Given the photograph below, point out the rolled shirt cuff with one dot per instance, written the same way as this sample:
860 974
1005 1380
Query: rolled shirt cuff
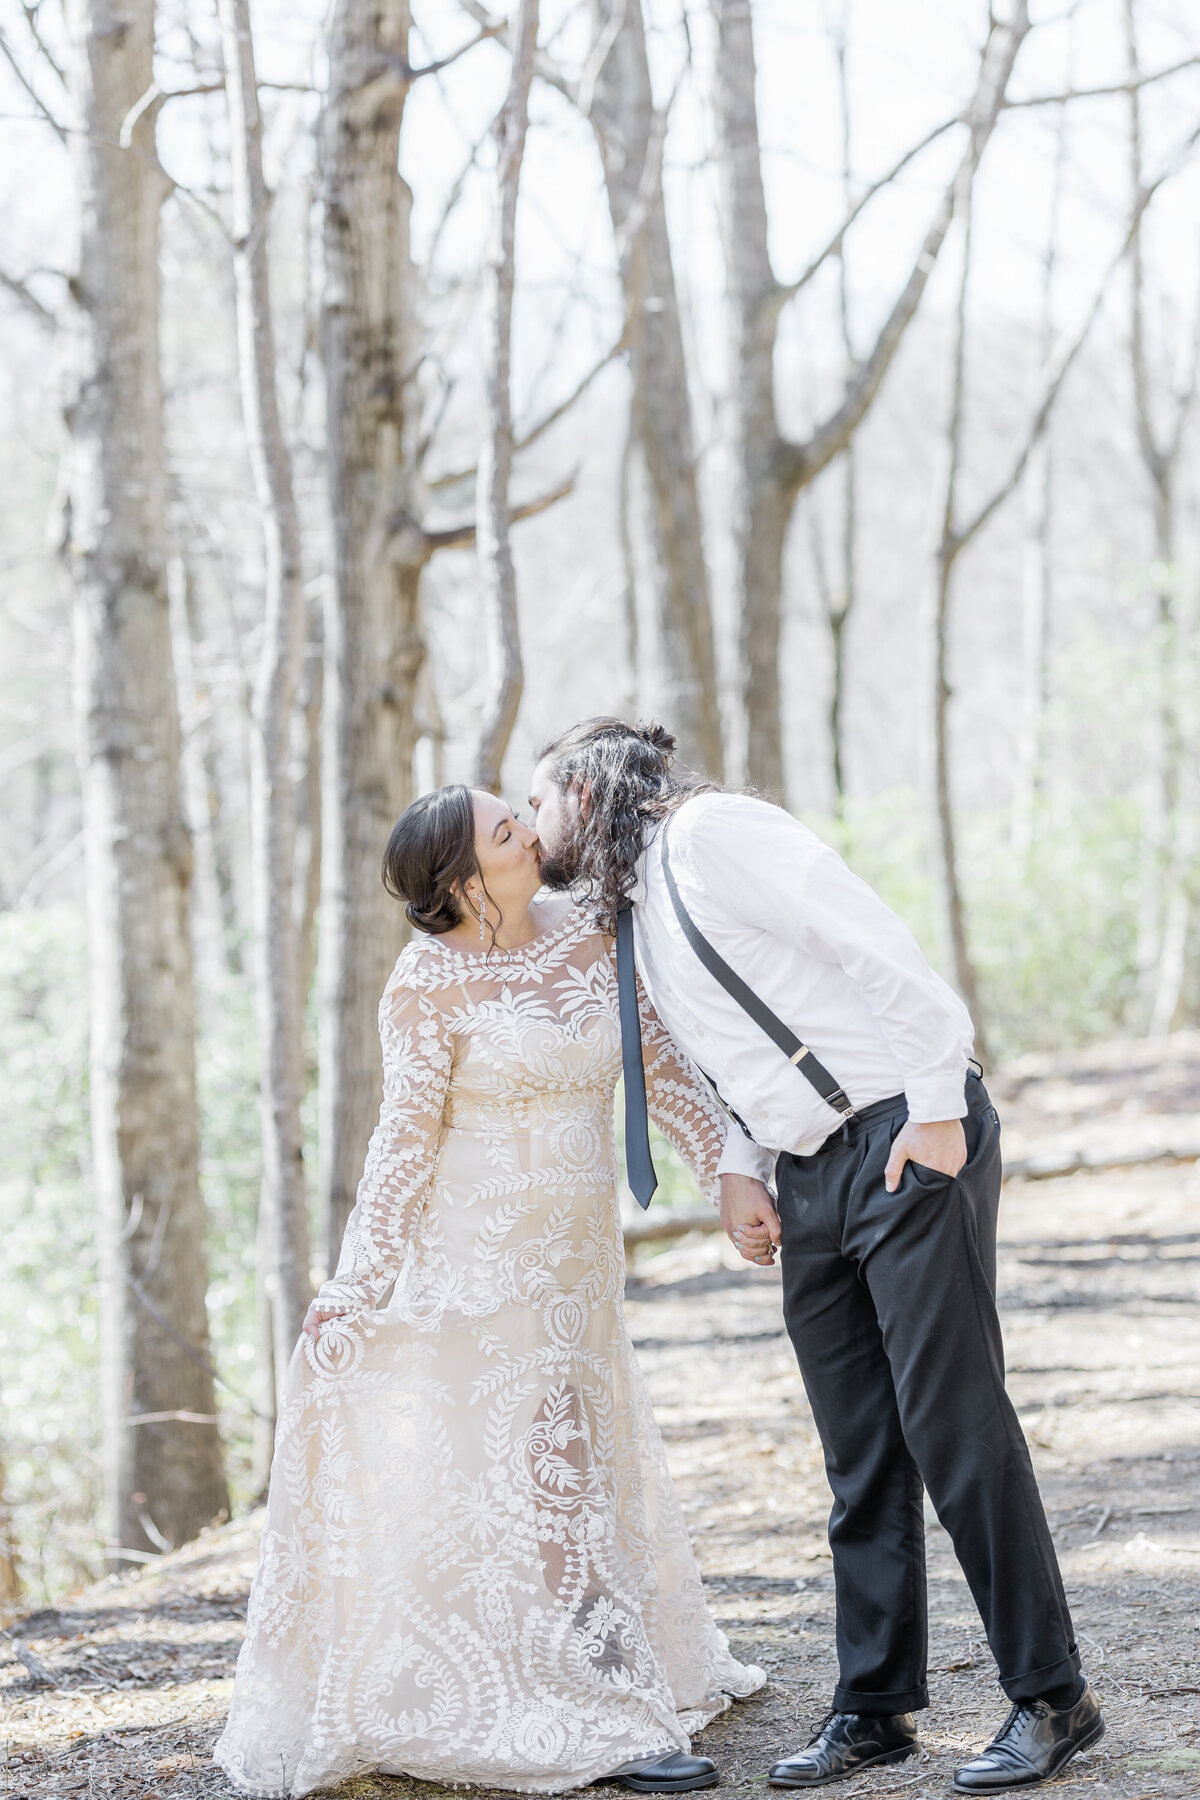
935 1097
742 1156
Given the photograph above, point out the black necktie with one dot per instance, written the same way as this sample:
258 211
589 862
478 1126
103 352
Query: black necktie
639 1168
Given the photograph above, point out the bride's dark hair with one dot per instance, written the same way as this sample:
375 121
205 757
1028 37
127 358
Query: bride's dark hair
631 785
430 853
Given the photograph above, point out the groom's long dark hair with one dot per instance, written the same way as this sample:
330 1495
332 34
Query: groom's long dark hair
630 784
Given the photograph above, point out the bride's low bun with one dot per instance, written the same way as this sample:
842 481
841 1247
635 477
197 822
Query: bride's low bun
430 853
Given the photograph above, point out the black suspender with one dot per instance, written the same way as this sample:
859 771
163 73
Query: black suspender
814 1072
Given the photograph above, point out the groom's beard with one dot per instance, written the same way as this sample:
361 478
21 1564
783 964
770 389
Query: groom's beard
559 869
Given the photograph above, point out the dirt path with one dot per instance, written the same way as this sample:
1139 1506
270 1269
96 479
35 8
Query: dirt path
1100 1282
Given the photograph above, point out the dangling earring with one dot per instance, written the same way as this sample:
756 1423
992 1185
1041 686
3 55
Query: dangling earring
482 916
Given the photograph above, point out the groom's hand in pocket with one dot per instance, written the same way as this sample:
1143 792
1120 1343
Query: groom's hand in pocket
749 1219
941 1145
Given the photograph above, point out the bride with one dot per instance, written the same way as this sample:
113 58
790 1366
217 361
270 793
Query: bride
474 1567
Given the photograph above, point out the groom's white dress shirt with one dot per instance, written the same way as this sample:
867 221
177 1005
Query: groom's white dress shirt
824 953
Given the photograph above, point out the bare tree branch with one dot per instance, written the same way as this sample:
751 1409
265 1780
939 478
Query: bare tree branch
458 537
455 195
544 424
6 50
491 29
1062 367
833 247
151 100
497 571
800 463
1132 86
599 54
31 13
27 298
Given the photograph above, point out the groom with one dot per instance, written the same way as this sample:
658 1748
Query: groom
844 1060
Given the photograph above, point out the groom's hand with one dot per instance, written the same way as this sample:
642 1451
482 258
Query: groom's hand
941 1145
749 1219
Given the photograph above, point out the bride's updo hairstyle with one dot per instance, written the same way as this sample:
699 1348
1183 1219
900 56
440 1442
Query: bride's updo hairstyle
430 852
632 785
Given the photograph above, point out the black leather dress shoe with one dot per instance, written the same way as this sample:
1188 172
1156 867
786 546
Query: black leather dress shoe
846 1743
674 1773
1033 1743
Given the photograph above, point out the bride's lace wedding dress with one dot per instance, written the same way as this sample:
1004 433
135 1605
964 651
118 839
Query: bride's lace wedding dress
474 1567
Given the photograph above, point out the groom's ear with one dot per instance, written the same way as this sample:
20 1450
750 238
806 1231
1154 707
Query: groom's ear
585 798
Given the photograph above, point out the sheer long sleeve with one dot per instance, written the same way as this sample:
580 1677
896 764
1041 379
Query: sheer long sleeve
417 1059
680 1101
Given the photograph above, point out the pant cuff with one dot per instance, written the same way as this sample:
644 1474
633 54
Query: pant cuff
1028 1687
882 1705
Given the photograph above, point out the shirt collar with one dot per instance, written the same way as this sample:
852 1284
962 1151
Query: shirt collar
639 892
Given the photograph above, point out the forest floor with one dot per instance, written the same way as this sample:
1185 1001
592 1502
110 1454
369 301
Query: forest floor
1100 1278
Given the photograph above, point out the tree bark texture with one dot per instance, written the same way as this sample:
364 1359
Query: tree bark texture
954 539
839 612
948 550
272 794
498 581
307 727
629 135
770 472
373 640
164 1477
1169 832
761 503
214 883
1029 761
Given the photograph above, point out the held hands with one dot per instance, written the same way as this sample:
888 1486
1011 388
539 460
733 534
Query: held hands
941 1145
749 1219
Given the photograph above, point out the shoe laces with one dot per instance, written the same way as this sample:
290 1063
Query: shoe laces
819 1727
1018 1707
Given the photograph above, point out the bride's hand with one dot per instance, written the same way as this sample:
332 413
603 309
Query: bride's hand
317 1316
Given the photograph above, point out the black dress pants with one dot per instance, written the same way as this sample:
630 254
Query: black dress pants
889 1300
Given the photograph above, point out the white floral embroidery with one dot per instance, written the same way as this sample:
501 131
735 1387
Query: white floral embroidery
474 1566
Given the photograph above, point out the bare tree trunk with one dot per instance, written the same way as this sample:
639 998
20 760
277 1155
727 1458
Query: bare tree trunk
629 583
266 1375
1168 846
947 556
497 576
214 861
307 891
1036 615
373 643
956 534
10 1579
1039 564
839 613
431 726
273 809
164 1478
620 104
770 471
761 503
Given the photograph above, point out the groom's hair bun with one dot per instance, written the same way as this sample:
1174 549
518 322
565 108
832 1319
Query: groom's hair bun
658 737
430 853
613 743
